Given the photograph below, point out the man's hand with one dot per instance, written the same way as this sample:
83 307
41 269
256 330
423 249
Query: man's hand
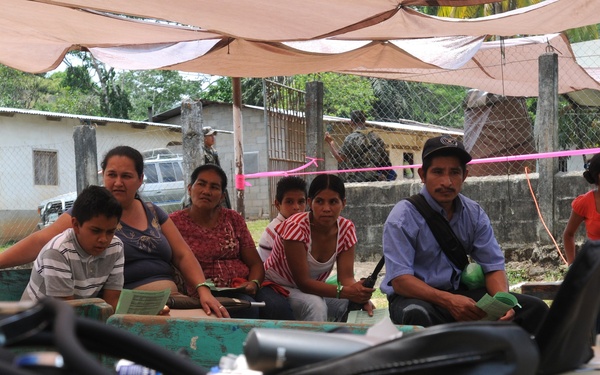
464 309
509 316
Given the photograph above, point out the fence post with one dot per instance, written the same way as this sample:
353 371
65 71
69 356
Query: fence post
314 124
546 138
238 140
192 138
86 156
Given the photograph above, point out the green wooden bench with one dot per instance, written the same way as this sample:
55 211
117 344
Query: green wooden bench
206 339
14 281
209 339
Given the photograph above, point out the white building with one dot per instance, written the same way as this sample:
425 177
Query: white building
38 158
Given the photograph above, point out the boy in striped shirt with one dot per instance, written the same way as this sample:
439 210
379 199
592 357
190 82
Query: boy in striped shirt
84 261
290 198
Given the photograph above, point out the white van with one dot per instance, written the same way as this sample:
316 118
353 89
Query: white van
163 181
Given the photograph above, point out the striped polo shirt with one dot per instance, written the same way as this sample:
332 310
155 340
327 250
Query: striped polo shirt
64 269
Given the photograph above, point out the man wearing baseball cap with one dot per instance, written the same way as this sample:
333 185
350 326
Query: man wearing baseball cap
422 282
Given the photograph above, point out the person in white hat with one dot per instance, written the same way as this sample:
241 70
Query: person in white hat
210 153
212 157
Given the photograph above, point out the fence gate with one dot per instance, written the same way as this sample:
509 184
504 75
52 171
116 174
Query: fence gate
286 130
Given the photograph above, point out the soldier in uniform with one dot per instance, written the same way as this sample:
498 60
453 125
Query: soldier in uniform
362 149
212 157
210 153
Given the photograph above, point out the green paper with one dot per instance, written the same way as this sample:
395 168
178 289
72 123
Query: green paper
142 302
495 307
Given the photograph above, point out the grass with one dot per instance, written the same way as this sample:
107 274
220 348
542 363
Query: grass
519 275
7 245
257 227
379 299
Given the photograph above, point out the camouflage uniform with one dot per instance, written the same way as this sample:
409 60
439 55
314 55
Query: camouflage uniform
211 156
364 149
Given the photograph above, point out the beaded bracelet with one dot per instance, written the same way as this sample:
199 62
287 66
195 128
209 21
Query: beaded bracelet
340 287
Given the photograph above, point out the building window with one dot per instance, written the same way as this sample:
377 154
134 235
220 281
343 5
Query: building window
251 162
408 159
45 167
563 162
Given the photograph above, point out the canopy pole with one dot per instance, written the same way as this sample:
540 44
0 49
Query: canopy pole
238 142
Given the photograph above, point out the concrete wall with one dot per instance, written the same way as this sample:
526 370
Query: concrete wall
219 116
506 199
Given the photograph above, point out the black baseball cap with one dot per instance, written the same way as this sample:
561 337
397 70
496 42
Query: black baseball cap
446 145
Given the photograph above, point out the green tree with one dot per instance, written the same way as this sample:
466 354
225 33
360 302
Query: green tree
86 77
158 90
342 93
74 93
484 9
574 35
404 100
22 90
220 90
578 126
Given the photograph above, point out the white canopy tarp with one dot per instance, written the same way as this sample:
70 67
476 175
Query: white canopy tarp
260 38
287 20
506 68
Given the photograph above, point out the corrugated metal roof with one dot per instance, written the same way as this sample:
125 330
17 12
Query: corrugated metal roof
84 118
407 125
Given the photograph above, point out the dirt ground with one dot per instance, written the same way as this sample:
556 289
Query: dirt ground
364 269
527 270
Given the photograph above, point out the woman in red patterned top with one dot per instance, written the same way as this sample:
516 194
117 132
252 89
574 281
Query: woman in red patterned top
221 241
307 247
585 207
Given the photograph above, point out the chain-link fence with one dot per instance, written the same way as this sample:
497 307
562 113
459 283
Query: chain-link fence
405 113
402 113
39 164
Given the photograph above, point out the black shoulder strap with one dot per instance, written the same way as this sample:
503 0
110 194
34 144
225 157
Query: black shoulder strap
442 231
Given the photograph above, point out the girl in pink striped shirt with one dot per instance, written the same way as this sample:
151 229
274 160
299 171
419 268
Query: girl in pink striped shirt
307 246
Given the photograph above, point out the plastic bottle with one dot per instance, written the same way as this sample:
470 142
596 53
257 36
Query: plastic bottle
125 367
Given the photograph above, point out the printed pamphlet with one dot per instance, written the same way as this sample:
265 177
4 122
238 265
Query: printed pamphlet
498 305
142 302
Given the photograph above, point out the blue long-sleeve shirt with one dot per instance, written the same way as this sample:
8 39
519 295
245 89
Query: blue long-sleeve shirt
410 247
